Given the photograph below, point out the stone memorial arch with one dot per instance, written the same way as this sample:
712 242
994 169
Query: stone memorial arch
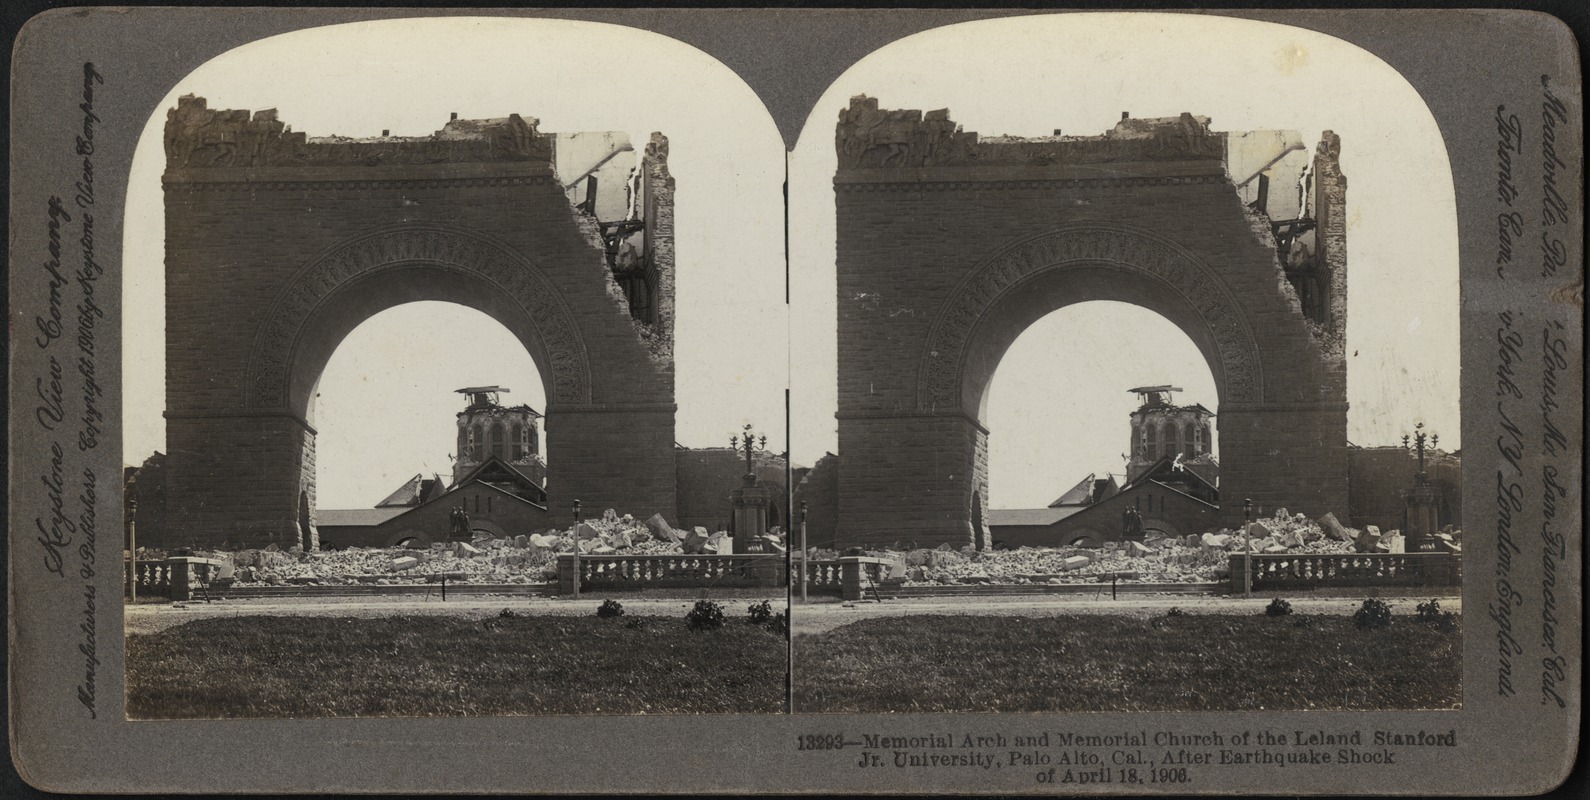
278 245
949 247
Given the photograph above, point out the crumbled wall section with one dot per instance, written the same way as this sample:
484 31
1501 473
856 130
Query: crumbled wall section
659 214
278 245
950 245
1330 208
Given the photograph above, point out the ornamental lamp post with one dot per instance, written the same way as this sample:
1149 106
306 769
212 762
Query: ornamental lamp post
1247 548
1424 499
805 554
751 499
577 549
749 442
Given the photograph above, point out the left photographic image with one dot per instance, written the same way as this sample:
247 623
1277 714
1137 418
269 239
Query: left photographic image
455 376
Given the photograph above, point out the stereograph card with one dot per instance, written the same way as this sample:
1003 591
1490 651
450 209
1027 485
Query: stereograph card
794 401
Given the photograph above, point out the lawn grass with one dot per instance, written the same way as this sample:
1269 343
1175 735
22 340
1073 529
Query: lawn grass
1119 663
274 667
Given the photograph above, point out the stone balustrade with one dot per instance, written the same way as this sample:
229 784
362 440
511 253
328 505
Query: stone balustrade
600 573
1301 571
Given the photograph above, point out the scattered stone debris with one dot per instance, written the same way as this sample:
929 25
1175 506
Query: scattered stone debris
522 558
1195 558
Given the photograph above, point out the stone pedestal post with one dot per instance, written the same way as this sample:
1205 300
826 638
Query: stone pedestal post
1424 517
750 514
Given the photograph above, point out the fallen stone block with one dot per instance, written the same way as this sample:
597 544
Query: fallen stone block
660 529
1394 543
696 541
585 531
406 562
1256 530
520 541
1367 542
603 550
1214 541
1274 549
1334 528
1076 562
465 550
1138 550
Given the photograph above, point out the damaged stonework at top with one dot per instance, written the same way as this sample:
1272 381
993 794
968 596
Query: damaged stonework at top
624 201
199 137
1295 202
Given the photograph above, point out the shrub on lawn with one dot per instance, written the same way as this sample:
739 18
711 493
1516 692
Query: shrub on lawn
1430 612
778 624
1175 611
635 623
1278 608
610 609
759 613
508 613
707 615
1373 614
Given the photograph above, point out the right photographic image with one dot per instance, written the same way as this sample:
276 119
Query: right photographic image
1126 356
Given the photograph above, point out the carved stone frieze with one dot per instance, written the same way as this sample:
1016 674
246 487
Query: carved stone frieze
942 368
269 370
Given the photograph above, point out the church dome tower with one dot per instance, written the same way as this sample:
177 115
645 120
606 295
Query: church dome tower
487 428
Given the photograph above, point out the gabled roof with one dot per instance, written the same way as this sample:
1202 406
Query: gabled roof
492 464
1078 495
1167 487
1005 517
1164 463
406 495
355 517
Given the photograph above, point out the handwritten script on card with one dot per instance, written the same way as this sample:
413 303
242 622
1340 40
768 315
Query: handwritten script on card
1532 360
69 395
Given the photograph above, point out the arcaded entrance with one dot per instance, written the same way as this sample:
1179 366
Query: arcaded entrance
278 246
950 247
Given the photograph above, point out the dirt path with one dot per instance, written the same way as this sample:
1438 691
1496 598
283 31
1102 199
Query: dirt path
818 617
814 617
152 618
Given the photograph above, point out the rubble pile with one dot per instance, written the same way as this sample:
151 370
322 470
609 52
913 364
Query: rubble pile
1197 558
528 558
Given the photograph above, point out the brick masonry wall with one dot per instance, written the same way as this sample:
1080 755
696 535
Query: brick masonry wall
906 240
236 239
907 478
707 476
1381 475
820 490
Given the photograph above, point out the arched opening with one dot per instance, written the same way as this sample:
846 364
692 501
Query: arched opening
385 407
1059 410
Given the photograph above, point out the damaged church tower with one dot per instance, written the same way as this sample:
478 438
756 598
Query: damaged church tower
488 429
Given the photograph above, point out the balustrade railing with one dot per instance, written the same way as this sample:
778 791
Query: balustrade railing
670 571
1282 570
153 578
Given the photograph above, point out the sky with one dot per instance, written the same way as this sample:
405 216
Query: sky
397 372
1057 412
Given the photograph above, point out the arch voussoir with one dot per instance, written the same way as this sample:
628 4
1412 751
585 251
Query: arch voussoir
942 363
